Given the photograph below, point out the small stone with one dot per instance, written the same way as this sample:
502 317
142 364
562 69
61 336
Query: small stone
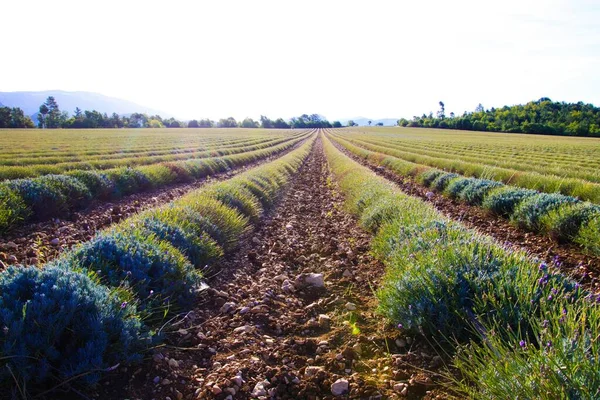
216 390
339 387
287 286
324 321
259 390
158 357
244 310
350 306
227 307
312 370
398 387
173 363
347 273
357 348
178 394
242 329
237 380
289 227
400 342
156 379
55 242
165 382
11 245
429 195
310 280
12 259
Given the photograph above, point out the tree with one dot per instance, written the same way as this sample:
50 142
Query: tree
249 123
51 115
402 122
379 124
193 124
479 108
227 123
352 123
265 122
442 113
370 123
337 124
42 115
206 123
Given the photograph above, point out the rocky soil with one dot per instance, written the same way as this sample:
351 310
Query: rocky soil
291 315
567 257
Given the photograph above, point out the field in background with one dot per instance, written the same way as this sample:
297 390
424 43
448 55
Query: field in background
29 153
471 152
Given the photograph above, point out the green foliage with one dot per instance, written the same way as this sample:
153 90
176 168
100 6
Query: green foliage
12 207
529 213
589 236
59 324
474 192
441 182
456 186
563 223
494 308
539 117
156 272
426 178
503 200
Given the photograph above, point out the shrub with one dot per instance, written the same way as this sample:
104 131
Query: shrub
503 200
441 182
427 177
224 224
158 174
560 361
196 245
98 183
156 272
529 212
264 189
455 186
128 181
12 208
43 200
563 223
59 324
475 190
238 197
75 192
589 236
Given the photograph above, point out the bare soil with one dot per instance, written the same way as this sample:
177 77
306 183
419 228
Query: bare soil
263 332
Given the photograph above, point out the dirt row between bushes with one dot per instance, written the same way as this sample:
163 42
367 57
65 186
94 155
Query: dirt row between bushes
291 315
567 257
39 242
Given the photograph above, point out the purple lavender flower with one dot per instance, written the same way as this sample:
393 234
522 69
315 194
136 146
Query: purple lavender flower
124 304
522 344
543 266
400 326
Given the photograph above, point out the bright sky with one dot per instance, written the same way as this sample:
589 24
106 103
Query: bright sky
283 58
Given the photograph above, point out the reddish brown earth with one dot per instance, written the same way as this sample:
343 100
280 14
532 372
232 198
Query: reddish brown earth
38 243
263 332
567 257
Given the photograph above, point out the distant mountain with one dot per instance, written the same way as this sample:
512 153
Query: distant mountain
362 121
30 102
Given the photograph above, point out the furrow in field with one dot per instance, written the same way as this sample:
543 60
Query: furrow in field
290 315
583 267
40 242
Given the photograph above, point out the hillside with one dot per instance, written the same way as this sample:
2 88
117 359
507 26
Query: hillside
30 102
